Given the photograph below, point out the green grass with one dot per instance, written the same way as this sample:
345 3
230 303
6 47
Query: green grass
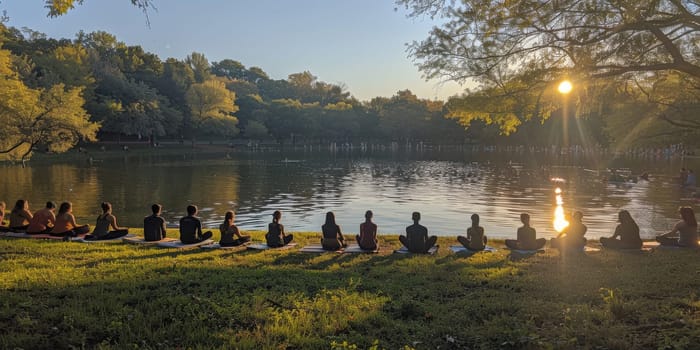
71 295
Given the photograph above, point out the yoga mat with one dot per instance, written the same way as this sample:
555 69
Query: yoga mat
462 249
526 251
355 249
216 245
142 241
263 246
37 236
179 245
404 250
113 240
317 248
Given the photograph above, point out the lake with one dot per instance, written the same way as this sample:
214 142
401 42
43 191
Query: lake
446 187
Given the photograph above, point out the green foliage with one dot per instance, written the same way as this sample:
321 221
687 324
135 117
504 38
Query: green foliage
63 295
211 106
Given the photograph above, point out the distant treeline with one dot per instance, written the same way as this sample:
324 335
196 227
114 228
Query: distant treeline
108 88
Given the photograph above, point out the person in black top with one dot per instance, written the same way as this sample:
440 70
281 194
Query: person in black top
275 236
527 236
191 228
332 237
627 230
228 230
154 225
416 239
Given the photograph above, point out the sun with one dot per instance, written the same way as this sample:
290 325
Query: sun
565 87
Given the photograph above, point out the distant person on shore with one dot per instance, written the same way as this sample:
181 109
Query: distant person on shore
191 228
154 225
627 230
275 236
475 239
65 223
229 230
332 237
20 216
572 237
43 220
367 239
684 233
527 237
104 222
416 239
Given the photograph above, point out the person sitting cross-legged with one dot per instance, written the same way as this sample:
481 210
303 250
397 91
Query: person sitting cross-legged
104 222
275 235
416 239
191 228
332 237
154 225
475 239
229 230
627 230
527 237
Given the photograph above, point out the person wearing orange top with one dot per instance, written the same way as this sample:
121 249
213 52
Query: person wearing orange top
43 220
20 216
65 223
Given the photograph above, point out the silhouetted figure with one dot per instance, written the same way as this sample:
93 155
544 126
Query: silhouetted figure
275 232
367 239
43 220
229 230
104 222
475 240
572 237
154 225
332 237
684 233
690 179
65 225
191 228
416 239
20 216
627 231
527 237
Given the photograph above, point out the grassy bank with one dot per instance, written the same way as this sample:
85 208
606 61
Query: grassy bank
65 295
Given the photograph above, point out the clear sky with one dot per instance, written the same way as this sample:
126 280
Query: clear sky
358 43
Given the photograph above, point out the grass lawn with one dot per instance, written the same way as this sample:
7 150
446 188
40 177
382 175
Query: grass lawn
70 295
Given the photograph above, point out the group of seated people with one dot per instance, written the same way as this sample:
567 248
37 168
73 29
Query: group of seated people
61 224
416 240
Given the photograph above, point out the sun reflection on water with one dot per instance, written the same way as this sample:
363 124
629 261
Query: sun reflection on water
560 222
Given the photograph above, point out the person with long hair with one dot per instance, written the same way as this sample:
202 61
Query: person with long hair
527 236
103 224
475 239
43 220
20 216
627 231
275 236
684 233
191 227
332 237
416 239
367 239
229 230
65 225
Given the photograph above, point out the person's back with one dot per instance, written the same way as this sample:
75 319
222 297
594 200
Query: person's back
43 220
475 235
526 235
687 235
368 235
64 223
102 225
274 234
189 227
154 225
332 237
330 231
416 239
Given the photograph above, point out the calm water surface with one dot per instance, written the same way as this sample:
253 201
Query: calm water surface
445 187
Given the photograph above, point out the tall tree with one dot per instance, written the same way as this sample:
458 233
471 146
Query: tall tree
211 108
199 65
598 38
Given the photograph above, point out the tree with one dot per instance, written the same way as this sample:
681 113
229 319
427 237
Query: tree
61 7
199 65
211 106
597 38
